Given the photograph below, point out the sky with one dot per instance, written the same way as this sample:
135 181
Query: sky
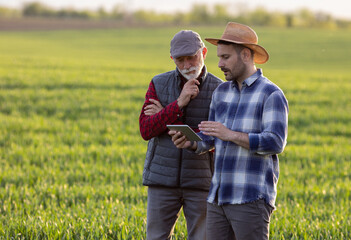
337 8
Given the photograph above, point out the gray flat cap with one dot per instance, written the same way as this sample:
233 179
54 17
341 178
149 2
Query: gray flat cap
186 43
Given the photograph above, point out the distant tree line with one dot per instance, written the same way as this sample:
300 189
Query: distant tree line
199 14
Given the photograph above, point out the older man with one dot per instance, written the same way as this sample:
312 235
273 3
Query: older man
247 125
177 178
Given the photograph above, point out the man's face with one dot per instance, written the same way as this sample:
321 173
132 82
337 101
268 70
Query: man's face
190 66
230 62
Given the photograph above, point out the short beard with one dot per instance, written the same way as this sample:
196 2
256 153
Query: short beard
238 71
198 70
185 72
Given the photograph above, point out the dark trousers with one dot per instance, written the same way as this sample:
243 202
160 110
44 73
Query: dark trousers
238 221
163 209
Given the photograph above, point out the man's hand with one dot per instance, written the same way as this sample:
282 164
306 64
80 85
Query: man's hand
215 129
220 131
179 140
189 91
153 108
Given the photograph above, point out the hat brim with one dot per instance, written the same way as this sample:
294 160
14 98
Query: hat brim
261 55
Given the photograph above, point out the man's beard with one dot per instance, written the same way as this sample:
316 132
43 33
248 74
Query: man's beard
237 72
198 69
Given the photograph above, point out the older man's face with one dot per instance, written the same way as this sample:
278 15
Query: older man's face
190 66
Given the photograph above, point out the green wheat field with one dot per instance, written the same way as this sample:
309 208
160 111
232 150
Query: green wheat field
71 156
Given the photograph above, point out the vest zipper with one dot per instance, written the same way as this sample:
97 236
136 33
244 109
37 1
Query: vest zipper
181 150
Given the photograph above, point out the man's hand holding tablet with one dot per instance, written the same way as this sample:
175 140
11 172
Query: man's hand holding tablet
186 131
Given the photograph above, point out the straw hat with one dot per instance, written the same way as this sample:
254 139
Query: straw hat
244 35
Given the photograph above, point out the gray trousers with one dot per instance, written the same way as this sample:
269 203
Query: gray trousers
239 221
163 209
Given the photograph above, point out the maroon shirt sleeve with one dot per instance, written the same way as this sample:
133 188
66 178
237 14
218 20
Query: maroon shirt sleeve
152 126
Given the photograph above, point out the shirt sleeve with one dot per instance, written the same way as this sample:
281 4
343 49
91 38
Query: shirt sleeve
152 126
272 140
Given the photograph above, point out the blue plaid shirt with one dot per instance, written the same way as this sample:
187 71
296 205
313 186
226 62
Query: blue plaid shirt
261 110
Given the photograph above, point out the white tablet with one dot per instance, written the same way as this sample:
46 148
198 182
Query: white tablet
187 131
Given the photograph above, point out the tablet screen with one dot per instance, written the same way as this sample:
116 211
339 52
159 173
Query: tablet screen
187 131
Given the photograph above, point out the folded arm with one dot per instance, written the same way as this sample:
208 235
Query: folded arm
153 125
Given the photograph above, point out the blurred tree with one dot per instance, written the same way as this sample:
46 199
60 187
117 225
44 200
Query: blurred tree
71 13
118 12
36 9
181 18
9 13
343 24
259 17
102 13
220 14
289 20
200 14
276 19
145 17
324 20
305 18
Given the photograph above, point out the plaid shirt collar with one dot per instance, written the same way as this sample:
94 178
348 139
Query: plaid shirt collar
250 80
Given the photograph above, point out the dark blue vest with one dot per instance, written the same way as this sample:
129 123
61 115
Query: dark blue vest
166 165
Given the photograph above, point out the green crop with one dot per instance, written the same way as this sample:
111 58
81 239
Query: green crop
71 156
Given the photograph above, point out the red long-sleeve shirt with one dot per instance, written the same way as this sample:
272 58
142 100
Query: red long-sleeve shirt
152 126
